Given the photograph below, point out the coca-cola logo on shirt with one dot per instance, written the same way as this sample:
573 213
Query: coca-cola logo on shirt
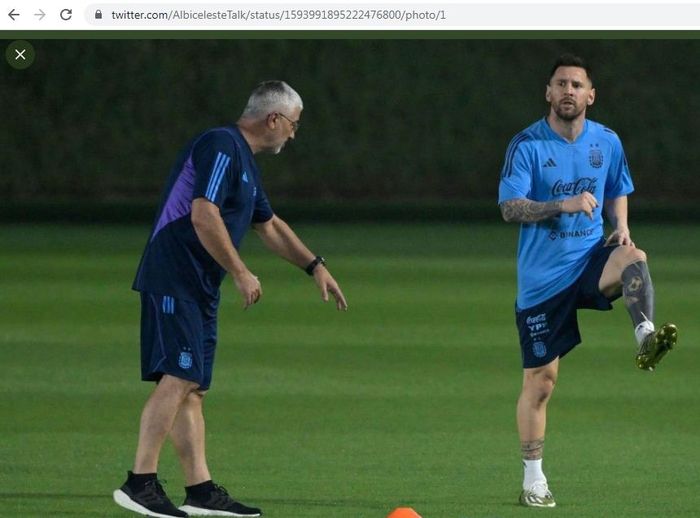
576 187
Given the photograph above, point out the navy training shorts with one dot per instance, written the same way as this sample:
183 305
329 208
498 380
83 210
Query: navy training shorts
549 330
178 337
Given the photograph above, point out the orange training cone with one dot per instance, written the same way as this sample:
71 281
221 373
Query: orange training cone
403 512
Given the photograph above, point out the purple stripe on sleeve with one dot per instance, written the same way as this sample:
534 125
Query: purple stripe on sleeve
179 202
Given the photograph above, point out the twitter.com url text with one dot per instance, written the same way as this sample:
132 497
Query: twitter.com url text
274 15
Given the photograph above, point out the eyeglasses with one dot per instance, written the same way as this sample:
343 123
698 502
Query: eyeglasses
295 124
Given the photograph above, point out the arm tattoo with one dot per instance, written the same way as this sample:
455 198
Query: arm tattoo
523 210
532 450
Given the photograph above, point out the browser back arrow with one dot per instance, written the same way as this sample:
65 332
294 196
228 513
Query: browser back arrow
12 14
40 14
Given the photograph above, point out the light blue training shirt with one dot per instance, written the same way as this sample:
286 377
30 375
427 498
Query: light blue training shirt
542 166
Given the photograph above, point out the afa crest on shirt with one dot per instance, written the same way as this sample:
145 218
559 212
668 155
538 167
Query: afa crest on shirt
595 157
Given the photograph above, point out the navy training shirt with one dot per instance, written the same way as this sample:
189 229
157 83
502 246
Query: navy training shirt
217 165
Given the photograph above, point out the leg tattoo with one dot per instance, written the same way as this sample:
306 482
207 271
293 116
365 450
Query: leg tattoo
638 292
532 450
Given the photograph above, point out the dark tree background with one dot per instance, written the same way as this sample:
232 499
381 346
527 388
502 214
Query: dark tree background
385 120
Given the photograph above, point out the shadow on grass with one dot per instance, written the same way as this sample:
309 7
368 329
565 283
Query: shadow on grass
373 508
52 495
38 505
317 502
383 505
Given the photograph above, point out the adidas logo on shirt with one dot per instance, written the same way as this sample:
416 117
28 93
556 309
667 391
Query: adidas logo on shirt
550 163
245 177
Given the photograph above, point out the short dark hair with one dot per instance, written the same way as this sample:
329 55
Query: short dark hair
570 60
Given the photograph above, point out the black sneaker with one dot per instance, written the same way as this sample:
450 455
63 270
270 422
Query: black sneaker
151 500
217 503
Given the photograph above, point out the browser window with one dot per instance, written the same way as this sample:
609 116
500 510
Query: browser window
399 123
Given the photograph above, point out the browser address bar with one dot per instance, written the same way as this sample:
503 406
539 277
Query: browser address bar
273 14
536 16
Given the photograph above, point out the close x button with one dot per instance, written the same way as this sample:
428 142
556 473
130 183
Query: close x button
20 54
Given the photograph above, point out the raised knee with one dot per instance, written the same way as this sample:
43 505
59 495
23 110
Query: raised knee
637 254
629 255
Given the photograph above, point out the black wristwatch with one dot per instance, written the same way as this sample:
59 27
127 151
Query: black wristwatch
313 264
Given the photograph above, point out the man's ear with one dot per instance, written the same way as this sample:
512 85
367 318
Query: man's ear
591 97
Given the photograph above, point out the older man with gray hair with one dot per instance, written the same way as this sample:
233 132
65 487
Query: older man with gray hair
213 195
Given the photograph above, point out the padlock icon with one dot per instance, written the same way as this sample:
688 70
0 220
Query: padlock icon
98 15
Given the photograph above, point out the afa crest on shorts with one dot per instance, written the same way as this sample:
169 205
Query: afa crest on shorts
185 360
539 349
595 157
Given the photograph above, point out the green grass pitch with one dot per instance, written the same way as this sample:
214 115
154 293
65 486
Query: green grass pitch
405 400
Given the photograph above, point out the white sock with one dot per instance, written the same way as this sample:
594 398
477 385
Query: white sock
643 329
533 473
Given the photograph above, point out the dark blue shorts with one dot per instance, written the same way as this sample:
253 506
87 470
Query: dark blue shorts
549 330
178 338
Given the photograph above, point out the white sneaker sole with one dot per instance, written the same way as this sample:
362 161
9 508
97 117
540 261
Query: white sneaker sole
121 498
541 506
199 511
531 500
